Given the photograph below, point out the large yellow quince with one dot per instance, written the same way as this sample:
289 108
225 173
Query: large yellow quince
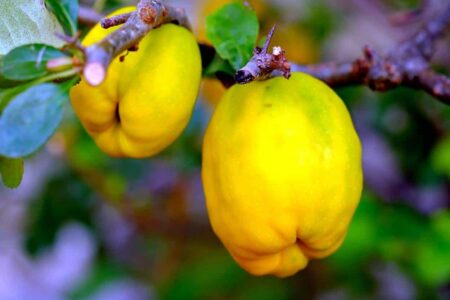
146 101
281 172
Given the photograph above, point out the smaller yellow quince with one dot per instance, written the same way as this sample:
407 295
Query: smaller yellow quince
147 100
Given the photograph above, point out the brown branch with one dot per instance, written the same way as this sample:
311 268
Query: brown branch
434 84
263 64
406 65
335 74
115 20
149 14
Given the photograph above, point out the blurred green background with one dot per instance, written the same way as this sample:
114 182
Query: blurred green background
86 226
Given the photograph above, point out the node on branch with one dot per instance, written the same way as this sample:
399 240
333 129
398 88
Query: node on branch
264 65
149 14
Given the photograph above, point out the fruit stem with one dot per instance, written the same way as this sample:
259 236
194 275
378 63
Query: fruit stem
264 65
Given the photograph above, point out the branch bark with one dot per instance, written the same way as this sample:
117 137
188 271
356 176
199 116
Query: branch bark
263 64
149 14
406 65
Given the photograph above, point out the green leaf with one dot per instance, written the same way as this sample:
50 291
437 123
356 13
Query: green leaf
27 22
5 83
218 65
6 95
440 157
432 260
102 274
11 170
31 119
209 275
28 62
54 208
66 12
233 30
441 225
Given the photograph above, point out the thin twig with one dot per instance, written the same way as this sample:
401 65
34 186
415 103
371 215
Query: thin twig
263 64
115 20
336 74
434 84
149 14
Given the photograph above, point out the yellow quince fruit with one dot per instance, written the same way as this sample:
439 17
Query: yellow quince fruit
146 101
282 173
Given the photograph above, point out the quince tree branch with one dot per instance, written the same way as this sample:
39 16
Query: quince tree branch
148 15
408 65
264 64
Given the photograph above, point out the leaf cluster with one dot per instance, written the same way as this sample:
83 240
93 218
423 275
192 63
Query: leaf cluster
32 97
